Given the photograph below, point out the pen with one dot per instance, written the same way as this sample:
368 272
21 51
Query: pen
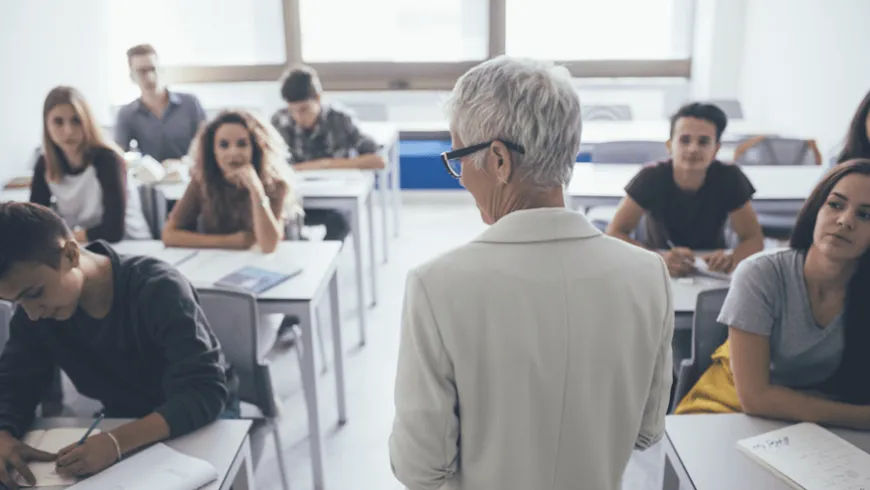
91 429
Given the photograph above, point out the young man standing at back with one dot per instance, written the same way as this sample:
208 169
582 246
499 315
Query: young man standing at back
319 137
163 123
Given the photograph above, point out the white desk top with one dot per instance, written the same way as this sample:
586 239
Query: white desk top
771 182
19 195
218 443
317 260
154 248
319 184
603 131
707 447
685 291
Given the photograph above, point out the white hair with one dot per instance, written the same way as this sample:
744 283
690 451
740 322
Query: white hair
527 102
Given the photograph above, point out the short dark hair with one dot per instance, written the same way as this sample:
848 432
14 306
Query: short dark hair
140 50
848 383
300 84
30 233
706 112
857 143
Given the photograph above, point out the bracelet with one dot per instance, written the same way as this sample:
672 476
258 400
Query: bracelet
117 446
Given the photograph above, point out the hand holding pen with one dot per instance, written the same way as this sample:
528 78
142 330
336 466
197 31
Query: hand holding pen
89 455
680 260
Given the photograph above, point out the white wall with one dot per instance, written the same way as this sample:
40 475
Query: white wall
806 65
44 43
717 50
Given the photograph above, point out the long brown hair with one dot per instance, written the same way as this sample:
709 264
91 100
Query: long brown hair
849 381
93 135
269 158
857 143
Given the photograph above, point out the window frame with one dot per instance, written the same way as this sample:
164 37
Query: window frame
386 76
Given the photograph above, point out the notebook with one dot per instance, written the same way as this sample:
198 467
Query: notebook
51 441
256 280
158 467
704 270
809 457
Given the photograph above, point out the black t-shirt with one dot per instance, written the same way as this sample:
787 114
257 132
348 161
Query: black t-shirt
153 352
689 219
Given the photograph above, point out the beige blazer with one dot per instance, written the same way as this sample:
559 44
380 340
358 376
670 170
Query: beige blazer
535 357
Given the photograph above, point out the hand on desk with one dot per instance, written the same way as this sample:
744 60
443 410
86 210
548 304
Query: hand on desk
680 261
719 261
96 454
14 455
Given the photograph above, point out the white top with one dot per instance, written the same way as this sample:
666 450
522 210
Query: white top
537 356
79 201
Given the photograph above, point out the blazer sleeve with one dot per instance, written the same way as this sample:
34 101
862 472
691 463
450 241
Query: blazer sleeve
424 445
652 427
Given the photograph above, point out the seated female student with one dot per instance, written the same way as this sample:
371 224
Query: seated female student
128 331
689 199
858 138
798 337
240 193
83 176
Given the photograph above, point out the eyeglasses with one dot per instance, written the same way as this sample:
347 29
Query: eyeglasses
452 158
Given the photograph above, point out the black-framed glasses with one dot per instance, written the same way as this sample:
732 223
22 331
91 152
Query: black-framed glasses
452 158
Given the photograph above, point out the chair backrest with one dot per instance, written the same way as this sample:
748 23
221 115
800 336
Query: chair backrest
233 316
146 195
707 333
629 152
7 309
611 112
764 150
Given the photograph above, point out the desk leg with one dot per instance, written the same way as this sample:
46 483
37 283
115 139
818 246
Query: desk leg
373 261
675 477
361 293
244 477
309 384
383 184
395 186
338 350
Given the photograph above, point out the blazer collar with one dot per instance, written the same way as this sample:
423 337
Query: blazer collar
539 225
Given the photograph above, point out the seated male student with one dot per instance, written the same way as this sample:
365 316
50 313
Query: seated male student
688 199
162 122
321 136
127 330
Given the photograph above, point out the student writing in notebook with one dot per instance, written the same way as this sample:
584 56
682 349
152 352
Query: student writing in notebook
321 136
82 174
127 330
688 199
798 340
241 189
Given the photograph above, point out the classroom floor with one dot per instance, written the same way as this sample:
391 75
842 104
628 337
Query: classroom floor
356 455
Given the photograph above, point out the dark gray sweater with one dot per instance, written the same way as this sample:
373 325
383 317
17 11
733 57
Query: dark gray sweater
153 352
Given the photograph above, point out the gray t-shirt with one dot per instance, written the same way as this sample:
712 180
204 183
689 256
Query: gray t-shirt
768 296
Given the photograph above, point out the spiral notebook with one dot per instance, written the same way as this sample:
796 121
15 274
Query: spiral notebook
256 280
809 457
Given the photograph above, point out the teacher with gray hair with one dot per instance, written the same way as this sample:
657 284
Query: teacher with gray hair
538 355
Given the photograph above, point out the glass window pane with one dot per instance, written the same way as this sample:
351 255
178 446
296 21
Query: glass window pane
597 29
394 30
200 32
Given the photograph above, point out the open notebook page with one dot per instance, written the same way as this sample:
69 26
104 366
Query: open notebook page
810 457
158 467
51 441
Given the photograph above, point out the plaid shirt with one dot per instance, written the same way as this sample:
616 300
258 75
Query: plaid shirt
336 135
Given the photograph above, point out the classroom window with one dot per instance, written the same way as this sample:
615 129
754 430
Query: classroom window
393 30
200 32
598 30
